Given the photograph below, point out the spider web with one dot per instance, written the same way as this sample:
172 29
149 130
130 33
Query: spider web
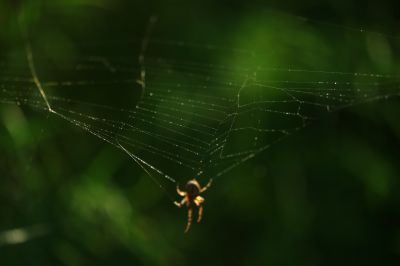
178 109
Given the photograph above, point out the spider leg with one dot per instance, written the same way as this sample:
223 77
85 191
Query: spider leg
180 204
200 215
199 201
189 222
206 186
180 192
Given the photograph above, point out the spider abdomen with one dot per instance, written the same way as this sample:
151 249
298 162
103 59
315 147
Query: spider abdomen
192 189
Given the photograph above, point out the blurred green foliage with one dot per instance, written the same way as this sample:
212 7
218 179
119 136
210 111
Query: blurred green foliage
328 195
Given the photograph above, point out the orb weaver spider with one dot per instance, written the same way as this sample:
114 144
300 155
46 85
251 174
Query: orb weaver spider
192 196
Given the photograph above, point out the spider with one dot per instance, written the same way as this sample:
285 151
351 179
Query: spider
192 196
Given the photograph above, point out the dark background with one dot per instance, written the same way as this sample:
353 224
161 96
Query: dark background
327 195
